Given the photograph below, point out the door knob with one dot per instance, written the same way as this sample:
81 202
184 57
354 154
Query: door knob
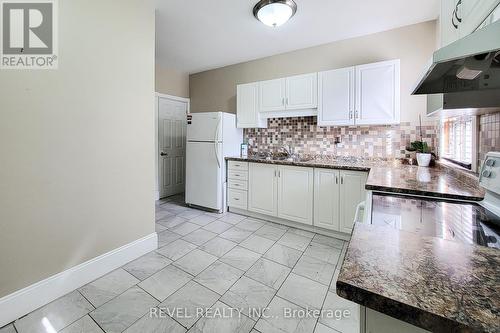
163 154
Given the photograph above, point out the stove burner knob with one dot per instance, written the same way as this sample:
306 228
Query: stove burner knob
486 173
490 162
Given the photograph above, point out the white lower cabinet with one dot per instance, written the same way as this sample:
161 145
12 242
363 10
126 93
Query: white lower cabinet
352 192
326 198
337 194
263 189
295 194
377 322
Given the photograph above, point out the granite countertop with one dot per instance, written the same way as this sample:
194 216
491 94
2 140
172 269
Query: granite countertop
439 181
393 176
436 284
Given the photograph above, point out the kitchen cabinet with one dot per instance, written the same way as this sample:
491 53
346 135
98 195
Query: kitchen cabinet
336 97
248 107
272 94
302 92
326 198
361 95
377 93
263 188
337 194
237 184
472 13
352 192
377 322
460 18
295 194
291 93
281 191
448 23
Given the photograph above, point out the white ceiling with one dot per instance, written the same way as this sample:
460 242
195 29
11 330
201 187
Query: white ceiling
196 35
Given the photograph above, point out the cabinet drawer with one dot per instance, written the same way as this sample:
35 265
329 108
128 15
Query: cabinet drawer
238 184
237 199
237 165
237 175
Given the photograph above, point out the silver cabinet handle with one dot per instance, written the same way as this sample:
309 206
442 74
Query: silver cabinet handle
236 199
342 180
163 154
357 114
336 179
350 114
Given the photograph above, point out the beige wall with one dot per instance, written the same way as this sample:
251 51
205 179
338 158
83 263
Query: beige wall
77 144
171 82
215 90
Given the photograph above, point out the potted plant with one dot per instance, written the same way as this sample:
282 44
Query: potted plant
422 149
423 152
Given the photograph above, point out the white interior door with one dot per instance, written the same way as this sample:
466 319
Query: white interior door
171 146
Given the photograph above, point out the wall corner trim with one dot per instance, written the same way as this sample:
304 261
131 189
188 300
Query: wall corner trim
25 300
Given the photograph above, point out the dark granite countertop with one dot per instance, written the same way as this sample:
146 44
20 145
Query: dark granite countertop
393 176
418 271
439 181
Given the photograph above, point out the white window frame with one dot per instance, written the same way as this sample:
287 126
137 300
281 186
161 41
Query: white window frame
474 138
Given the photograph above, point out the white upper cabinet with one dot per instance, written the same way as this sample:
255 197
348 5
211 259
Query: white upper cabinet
377 93
472 13
361 95
460 18
302 92
287 94
272 95
295 193
336 97
448 22
248 107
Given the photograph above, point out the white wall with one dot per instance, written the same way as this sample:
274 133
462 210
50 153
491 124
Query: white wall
77 145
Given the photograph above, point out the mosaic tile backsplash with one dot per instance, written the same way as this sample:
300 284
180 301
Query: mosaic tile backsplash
489 134
306 137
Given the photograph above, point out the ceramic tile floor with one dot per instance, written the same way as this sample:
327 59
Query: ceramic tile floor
214 262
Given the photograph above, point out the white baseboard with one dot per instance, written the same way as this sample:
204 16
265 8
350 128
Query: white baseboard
307 227
36 295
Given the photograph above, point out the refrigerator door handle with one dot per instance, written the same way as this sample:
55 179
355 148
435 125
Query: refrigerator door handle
216 137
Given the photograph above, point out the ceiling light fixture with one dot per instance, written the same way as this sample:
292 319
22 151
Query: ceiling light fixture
274 12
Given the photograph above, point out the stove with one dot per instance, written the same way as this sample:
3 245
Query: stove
466 222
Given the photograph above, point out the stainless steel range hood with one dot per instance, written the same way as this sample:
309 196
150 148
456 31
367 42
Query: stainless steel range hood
466 72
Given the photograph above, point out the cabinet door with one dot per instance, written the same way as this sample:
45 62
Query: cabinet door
326 198
377 93
352 192
448 23
473 13
336 97
272 95
302 92
247 110
262 189
377 322
295 194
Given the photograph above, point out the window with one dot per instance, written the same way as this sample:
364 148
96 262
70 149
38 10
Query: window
458 141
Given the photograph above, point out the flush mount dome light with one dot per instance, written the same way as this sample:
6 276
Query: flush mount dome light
274 12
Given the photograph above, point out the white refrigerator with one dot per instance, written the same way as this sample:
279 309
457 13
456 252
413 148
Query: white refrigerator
211 136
